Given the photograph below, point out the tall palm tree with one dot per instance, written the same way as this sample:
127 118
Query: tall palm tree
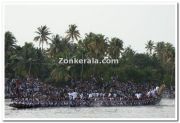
23 61
166 54
128 54
10 41
42 35
170 60
81 53
10 47
160 51
115 48
55 45
150 46
96 45
169 53
60 45
72 33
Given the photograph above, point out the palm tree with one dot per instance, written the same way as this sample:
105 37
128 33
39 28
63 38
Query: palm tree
10 42
170 60
160 50
29 55
10 48
128 54
42 35
60 45
169 53
166 54
23 61
150 46
115 48
61 72
81 53
55 45
96 45
72 33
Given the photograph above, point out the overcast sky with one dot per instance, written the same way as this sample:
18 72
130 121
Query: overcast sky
134 24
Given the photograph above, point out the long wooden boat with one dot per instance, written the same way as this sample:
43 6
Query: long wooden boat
95 103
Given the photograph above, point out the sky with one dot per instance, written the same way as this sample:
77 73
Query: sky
134 24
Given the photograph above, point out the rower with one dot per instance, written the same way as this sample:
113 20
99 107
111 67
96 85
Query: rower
114 95
153 93
109 95
90 95
81 96
138 95
148 94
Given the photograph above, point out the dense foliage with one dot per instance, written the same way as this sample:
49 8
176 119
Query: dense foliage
156 65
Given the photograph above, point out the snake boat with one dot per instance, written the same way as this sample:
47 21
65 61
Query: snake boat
106 102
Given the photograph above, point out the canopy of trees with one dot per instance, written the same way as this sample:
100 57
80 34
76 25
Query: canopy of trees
157 65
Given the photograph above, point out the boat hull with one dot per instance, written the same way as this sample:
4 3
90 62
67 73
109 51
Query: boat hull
97 103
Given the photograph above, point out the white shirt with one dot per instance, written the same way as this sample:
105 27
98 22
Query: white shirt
138 95
148 93
157 88
114 95
153 93
93 94
90 95
74 94
81 95
103 95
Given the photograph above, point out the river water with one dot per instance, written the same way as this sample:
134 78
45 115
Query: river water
165 109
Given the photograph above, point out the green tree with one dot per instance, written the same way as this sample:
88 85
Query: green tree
72 33
10 43
22 61
165 52
56 45
150 46
115 48
42 35
170 61
160 50
96 45
26 61
60 73
128 55
10 48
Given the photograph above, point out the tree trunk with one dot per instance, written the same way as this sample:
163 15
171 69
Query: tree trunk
82 69
172 75
42 47
29 69
95 65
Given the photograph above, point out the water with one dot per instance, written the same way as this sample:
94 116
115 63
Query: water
165 109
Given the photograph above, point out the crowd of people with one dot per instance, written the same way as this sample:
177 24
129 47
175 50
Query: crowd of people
93 92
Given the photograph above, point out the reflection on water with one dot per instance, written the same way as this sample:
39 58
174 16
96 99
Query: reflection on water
166 109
